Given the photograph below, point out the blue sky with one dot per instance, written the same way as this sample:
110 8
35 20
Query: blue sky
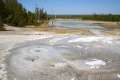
74 6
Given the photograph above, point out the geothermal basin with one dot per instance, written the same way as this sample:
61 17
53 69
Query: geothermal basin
65 58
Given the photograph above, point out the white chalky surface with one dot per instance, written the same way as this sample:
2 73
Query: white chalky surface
7 42
65 57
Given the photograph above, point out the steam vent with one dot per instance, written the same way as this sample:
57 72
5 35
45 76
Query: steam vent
65 58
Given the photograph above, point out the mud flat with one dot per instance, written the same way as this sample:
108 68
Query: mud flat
68 57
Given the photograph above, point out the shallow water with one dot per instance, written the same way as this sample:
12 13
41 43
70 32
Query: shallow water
74 24
65 58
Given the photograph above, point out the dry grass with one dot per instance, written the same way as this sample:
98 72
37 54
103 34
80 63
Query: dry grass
63 30
46 28
113 32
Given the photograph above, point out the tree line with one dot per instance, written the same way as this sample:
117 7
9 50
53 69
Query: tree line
101 17
13 13
97 17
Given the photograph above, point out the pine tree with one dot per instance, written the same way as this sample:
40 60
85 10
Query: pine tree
13 13
2 11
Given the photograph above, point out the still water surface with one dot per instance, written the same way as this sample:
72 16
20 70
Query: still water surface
72 23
